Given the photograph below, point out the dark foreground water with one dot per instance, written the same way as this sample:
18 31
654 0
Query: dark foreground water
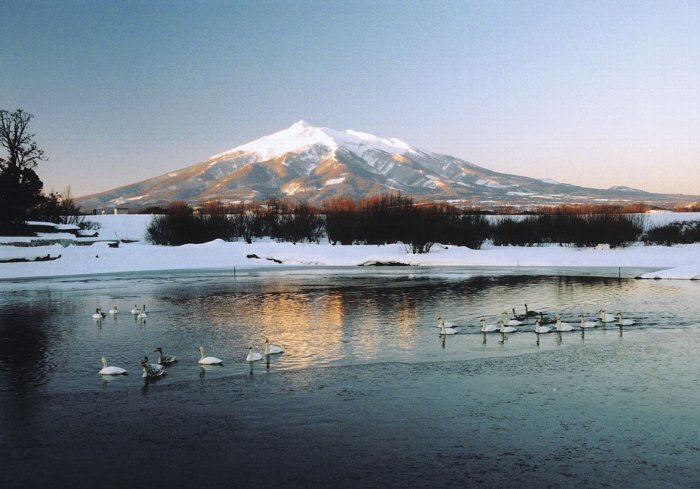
366 395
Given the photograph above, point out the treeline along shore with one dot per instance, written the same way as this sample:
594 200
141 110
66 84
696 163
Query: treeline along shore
397 218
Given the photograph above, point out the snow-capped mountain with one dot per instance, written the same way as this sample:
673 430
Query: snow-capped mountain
314 164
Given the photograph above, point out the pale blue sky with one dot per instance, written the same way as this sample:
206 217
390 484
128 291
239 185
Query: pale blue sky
594 93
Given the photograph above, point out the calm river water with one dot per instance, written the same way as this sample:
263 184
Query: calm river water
326 317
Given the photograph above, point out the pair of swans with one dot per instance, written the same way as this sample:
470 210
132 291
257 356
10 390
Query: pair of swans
511 322
152 370
528 314
500 327
253 356
139 312
268 349
606 317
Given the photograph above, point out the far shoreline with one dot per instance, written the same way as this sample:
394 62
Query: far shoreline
137 256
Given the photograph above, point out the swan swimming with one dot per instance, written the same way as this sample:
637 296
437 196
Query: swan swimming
111 370
208 360
152 370
164 359
446 330
539 329
623 322
563 326
447 324
586 324
545 320
142 313
519 317
113 310
253 356
529 313
605 317
488 328
272 349
135 310
98 314
505 329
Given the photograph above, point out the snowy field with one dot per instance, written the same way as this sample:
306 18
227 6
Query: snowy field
87 256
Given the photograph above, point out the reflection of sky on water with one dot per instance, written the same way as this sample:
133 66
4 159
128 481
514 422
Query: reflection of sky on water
48 340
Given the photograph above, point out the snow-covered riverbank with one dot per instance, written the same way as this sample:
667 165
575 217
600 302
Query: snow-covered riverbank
677 262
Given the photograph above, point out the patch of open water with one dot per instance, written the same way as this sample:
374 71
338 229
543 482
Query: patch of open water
322 317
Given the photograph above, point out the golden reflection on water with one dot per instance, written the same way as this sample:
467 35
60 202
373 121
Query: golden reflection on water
310 324
406 323
306 325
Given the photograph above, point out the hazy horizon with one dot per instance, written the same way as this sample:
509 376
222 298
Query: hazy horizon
591 94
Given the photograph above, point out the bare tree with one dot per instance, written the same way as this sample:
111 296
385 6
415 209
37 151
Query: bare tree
22 151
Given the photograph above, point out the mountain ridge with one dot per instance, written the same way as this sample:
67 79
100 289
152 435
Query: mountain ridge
313 164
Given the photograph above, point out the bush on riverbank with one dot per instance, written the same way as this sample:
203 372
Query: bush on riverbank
569 229
674 233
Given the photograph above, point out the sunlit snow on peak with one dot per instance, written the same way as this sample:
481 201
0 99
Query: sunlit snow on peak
301 135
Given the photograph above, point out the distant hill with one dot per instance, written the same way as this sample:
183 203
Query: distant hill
313 164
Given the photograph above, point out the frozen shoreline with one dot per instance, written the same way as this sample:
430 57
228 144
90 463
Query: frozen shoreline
675 262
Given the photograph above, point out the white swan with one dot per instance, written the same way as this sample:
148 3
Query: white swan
488 328
539 329
586 324
510 322
505 329
272 349
445 330
142 313
135 310
605 317
98 314
447 323
253 356
113 310
164 359
563 326
208 360
152 370
110 370
623 322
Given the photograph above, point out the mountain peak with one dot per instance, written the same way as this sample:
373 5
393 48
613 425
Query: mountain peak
301 135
